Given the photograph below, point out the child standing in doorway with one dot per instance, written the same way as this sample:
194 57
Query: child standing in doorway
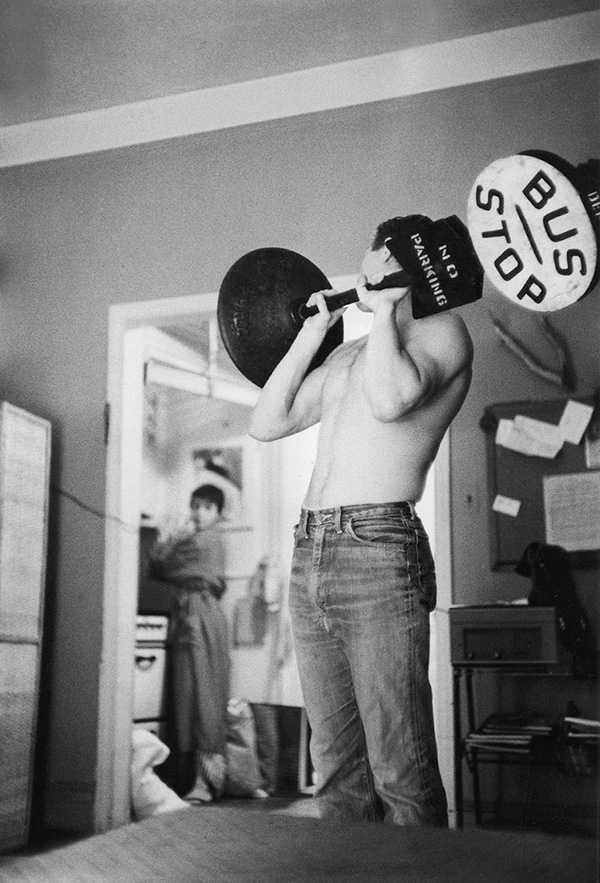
194 564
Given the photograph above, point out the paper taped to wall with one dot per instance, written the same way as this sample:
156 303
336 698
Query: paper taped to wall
506 505
572 511
534 438
574 421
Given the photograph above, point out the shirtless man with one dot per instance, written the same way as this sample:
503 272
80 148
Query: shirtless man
363 578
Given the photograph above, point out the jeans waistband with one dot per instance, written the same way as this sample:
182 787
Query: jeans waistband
339 515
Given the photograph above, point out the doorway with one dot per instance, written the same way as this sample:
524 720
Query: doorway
127 354
136 339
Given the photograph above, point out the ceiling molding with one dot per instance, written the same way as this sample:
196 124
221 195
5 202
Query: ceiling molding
543 45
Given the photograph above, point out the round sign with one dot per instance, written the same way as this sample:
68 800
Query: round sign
532 232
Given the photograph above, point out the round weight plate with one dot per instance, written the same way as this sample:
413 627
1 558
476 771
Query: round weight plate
532 232
255 310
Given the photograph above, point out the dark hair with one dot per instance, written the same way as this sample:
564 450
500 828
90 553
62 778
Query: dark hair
394 228
211 494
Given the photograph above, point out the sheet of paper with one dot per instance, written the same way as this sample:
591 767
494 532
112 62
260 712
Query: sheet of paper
572 510
527 436
574 421
506 505
503 431
539 429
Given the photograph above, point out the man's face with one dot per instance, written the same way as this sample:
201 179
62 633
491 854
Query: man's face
204 513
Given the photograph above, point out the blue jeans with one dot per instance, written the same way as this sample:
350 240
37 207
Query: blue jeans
362 588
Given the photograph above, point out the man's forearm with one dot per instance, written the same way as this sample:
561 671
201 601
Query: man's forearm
274 415
391 380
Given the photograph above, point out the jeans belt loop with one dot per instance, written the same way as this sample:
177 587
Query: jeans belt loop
338 520
304 523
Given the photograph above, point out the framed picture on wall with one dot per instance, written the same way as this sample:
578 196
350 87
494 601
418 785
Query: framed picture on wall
222 466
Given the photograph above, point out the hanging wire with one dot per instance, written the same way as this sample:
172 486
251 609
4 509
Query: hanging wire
98 513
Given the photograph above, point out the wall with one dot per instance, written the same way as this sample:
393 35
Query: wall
169 219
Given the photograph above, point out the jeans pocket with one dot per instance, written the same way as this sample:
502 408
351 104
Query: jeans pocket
378 531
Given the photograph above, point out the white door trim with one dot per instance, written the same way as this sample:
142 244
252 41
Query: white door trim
124 451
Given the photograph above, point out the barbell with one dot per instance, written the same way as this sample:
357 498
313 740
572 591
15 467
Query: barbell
533 223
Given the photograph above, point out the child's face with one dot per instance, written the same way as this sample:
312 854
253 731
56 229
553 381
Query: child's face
204 513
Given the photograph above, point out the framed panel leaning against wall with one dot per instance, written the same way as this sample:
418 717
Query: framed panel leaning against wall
24 491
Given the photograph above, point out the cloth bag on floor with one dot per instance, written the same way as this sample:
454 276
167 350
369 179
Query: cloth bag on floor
149 794
243 771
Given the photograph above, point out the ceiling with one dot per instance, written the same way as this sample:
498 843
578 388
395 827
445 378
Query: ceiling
61 57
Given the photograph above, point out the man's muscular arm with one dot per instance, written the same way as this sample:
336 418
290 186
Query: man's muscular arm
290 400
402 372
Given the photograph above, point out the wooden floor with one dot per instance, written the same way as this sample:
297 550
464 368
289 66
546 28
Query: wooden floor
42 841
302 805
224 843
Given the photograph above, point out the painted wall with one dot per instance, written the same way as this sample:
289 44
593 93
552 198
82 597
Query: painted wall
169 219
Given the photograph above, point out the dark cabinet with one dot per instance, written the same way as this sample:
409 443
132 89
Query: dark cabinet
517 643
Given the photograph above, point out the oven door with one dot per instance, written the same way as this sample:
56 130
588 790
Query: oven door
150 667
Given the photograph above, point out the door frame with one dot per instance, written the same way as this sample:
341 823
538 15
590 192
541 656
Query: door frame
124 452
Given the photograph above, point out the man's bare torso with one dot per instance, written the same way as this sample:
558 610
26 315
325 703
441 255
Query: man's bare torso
363 460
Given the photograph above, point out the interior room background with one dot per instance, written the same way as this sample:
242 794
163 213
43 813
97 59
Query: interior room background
159 220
